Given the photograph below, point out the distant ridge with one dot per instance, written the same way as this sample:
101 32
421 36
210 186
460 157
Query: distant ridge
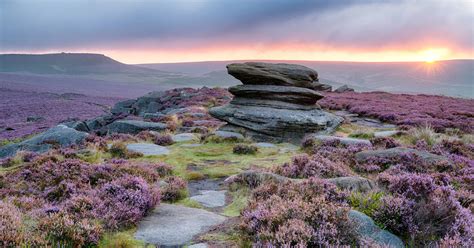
66 63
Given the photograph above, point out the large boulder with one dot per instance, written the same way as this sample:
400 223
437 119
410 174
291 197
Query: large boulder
276 124
367 230
59 135
353 183
134 126
279 93
277 103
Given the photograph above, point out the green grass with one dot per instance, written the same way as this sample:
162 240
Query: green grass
366 203
123 239
361 135
239 202
216 160
187 202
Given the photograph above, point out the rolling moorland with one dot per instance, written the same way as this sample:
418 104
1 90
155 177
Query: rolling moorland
128 168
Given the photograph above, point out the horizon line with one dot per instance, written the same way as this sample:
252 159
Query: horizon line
230 60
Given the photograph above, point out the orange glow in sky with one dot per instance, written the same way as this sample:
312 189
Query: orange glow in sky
132 55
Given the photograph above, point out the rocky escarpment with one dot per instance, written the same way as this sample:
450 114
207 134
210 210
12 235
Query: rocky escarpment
277 102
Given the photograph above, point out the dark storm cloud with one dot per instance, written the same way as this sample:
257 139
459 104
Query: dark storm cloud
27 25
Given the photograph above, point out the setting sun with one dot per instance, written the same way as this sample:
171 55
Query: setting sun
433 55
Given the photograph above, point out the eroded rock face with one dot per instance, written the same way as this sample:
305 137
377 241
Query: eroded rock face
277 103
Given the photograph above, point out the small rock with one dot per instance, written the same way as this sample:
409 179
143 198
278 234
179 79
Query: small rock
353 183
210 198
343 140
184 137
265 145
134 126
344 88
175 225
148 116
148 149
229 135
366 228
34 118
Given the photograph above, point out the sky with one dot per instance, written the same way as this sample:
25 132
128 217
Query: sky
139 31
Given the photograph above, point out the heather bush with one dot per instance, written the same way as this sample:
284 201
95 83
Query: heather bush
396 214
124 201
305 166
384 142
307 214
244 149
336 151
12 232
163 139
63 230
308 142
175 189
163 169
119 150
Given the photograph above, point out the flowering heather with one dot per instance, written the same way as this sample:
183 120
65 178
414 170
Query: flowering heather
244 149
73 202
384 142
439 112
163 139
304 166
307 214
174 189
50 109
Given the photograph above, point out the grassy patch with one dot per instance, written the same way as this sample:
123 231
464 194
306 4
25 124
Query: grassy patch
361 135
123 239
216 160
366 203
187 202
239 202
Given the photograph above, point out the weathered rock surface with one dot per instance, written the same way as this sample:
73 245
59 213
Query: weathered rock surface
273 74
272 124
148 149
210 198
277 93
185 137
367 229
265 145
343 140
229 135
343 89
134 126
175 225
59 135
276 103
353 183
398 152
386 133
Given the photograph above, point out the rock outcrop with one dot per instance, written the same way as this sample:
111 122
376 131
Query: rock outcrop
59 135
277 102
343 89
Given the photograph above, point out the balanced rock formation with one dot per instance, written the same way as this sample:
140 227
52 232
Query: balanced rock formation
277 102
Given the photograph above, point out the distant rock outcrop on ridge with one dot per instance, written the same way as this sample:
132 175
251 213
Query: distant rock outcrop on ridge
277 102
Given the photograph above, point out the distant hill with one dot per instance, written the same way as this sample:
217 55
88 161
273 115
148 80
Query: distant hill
448 77
67 63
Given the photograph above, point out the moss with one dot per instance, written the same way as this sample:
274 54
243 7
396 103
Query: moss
189 203
123 239
239 202
194 175
361 135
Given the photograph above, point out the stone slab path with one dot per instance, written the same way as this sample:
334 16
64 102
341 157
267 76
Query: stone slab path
175 225
148 149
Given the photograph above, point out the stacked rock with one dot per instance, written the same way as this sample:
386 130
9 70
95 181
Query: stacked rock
277 102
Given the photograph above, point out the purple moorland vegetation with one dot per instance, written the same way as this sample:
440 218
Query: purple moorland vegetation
307 214
25 112
71 202
439 112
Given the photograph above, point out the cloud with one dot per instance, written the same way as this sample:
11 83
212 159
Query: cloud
187 24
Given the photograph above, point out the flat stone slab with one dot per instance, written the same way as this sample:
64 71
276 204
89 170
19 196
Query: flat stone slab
228 135
386 133
343 140
175 225
148 149
185 137
210 198
265 145
198 245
